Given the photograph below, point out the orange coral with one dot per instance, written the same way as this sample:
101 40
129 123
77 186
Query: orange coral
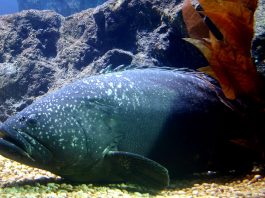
229 58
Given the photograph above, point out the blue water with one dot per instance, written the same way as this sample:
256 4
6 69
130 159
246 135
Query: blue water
8 6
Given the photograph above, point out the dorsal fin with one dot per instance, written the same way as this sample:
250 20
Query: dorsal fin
111 68
119 68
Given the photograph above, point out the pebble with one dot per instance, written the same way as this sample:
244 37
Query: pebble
195 192
17 180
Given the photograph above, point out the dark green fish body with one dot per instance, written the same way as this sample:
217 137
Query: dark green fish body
134 125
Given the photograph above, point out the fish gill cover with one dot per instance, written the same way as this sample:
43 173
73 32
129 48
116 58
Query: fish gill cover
229 57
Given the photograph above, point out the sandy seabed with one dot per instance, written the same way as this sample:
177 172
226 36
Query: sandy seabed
17 180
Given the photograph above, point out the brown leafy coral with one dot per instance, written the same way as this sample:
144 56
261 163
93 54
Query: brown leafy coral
229 58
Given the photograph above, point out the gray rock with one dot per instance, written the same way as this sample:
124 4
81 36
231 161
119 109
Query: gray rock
42 50
260 18
64 7
259 40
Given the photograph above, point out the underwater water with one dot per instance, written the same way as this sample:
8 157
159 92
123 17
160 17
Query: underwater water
8 6
63 7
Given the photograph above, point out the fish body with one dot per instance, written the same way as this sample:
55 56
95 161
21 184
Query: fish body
137 125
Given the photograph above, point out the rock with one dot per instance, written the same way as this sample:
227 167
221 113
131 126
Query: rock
259 40
260 19
42 50
64 7
24 46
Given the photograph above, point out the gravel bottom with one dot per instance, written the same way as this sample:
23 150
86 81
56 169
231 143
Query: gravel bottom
17 180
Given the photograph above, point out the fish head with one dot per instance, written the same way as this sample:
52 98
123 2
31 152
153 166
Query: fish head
17 142
51 136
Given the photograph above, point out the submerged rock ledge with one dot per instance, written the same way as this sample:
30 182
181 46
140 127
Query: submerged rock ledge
41 50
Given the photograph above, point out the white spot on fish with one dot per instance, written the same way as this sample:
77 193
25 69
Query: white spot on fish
87 81
111 85
119 85
109 92
118 75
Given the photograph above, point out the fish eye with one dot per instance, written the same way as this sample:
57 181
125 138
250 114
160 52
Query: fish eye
32 119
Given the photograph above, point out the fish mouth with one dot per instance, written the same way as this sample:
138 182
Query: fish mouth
13 145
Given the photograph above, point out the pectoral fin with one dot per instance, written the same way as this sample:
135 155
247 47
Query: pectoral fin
137 169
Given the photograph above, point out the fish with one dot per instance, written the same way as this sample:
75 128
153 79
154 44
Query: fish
139 125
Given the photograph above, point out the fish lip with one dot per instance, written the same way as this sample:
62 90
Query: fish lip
12 144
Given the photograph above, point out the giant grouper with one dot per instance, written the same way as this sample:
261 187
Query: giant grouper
138 125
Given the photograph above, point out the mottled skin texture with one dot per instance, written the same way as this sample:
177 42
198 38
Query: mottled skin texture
174 118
